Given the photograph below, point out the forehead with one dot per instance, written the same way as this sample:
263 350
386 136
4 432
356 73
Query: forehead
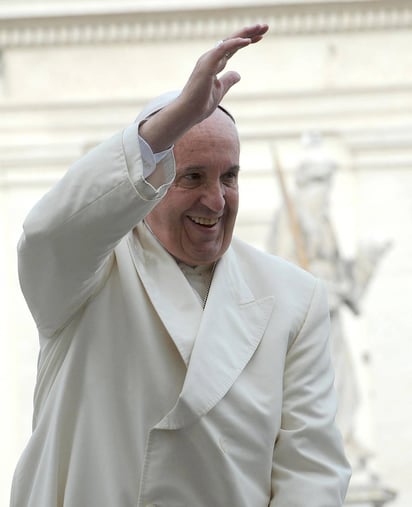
215 139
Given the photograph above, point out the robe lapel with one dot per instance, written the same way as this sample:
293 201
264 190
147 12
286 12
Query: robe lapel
225 334
170 293
231 328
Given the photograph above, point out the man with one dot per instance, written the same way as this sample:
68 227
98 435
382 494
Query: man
178 366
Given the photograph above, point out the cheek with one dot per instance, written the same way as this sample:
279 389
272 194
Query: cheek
160 220
232 201
166 211
167 219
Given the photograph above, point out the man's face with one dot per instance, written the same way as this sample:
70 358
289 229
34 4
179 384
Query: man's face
196 218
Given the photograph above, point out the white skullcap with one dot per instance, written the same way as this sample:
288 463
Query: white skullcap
156 104
163 100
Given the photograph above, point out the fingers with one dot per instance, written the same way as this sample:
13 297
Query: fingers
249 35
254 32
218 57
225 49
227 80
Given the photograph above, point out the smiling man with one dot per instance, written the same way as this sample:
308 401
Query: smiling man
179 366
195 220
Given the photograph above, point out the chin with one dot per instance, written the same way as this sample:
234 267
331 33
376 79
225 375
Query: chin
209 257
201 259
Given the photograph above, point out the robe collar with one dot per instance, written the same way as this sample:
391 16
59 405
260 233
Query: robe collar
225 334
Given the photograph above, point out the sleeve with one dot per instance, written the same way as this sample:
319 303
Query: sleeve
309 465
68 239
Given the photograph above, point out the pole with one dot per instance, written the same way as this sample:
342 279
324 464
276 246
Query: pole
295 228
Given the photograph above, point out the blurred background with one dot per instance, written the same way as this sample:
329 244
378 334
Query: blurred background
324 110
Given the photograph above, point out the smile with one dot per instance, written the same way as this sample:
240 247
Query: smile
208 222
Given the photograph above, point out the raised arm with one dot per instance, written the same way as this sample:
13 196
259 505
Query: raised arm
68 238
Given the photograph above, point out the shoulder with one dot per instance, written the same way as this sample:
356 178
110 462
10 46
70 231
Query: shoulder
263 262
268 273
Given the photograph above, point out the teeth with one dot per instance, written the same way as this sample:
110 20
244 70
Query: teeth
204 221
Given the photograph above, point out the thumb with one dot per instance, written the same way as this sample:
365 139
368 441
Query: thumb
228 79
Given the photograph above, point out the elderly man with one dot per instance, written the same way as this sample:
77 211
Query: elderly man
178 365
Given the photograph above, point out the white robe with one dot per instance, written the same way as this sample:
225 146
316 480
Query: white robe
121 418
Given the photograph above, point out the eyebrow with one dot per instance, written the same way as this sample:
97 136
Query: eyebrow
235 167
204 168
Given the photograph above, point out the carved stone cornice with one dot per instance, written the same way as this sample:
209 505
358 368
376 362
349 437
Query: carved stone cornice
135 26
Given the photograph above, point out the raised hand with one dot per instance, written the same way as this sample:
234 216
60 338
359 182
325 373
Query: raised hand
203 91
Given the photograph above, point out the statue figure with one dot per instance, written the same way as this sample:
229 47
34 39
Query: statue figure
303 233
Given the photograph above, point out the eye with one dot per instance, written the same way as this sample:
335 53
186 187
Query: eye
230 177
192 176
190 179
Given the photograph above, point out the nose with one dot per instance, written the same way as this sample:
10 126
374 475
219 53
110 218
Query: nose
213 196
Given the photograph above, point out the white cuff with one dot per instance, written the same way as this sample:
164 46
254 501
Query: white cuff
150 159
